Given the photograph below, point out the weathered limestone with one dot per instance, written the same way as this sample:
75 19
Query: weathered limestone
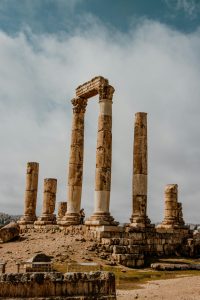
49 199
173 209
30 194
140 171
62 208
101 215
75 175
9 232
44 285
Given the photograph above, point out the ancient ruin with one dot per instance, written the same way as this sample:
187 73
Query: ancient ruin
135 242
30 194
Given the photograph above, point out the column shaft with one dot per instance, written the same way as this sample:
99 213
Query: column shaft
30 194
62 208
75 174
49 200
101 213
140 172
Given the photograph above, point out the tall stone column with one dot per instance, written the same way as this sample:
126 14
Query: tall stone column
49 200
75 174
101 215
140 172
30 194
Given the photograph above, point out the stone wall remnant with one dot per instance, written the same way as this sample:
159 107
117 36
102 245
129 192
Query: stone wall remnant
77 286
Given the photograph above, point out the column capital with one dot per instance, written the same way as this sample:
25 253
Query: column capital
106 92
79 104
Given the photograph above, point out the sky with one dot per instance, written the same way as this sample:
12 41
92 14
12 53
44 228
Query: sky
149 51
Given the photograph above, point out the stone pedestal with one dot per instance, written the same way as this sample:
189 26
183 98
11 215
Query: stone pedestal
30 194
62 209
48 217
101 215
140 172
75 164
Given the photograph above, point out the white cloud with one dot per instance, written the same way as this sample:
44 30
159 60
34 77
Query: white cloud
152 68
190 7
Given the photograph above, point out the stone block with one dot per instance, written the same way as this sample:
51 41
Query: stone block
9 232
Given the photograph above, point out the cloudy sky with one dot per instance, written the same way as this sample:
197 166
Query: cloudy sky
149 51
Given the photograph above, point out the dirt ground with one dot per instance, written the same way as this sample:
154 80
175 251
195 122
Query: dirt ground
62 247
185 288
69 248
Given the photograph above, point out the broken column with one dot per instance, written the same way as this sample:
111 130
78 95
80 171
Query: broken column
30 194
62 208
49 200
101 215
75 174
140 172
170 218
173 216
181 221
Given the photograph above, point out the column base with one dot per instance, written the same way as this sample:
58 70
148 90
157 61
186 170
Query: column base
99 218
140 222
69 219
46 220
27 219
169 225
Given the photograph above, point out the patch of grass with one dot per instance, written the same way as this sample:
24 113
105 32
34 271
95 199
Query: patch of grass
127 278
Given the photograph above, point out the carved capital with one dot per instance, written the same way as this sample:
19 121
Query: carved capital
106 92
79 104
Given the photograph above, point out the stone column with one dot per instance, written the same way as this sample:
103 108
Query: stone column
181 221
75 175
171 206
140 172
62 208
101 215
49 200
30 194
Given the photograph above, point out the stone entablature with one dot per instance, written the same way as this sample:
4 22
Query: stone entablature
91 88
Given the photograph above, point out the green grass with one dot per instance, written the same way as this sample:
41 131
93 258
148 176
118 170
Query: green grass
127 278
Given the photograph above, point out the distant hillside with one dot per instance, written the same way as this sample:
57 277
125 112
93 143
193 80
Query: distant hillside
6 218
